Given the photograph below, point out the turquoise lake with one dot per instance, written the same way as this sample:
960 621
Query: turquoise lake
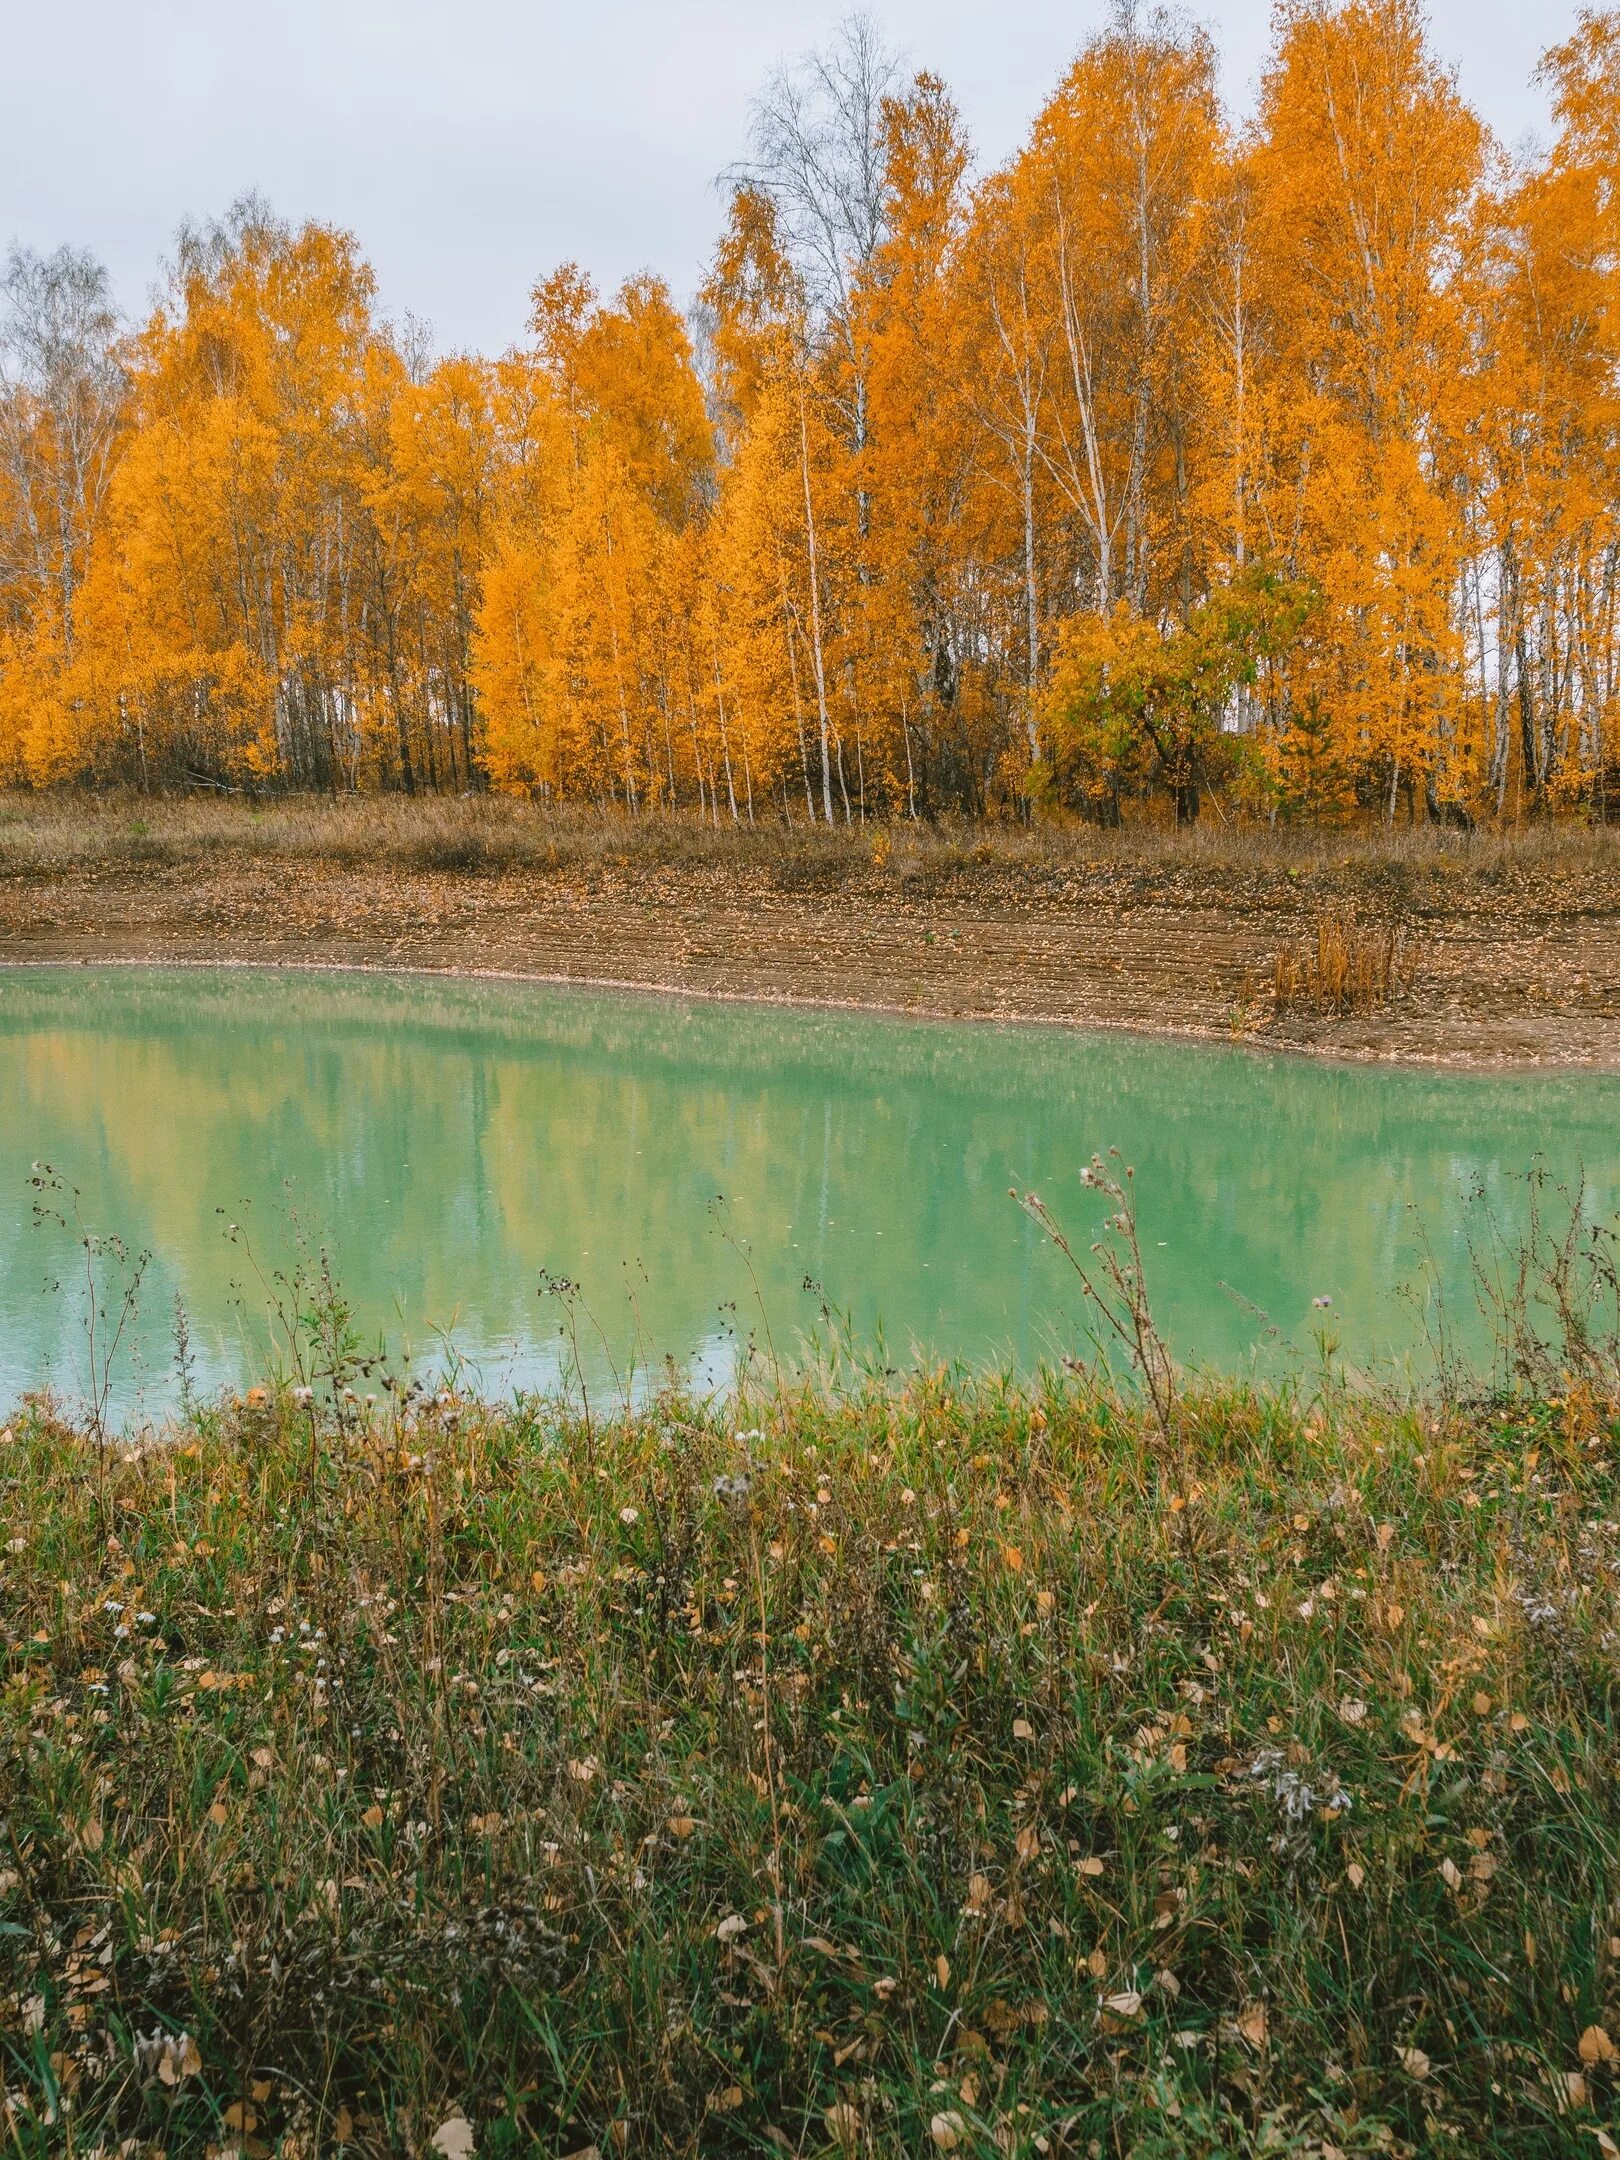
453 1145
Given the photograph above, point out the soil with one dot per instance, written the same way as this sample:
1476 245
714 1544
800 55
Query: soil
1527 972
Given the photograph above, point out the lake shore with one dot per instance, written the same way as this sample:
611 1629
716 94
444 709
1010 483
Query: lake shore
1518 937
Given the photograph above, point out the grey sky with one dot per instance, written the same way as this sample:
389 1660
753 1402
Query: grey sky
473 146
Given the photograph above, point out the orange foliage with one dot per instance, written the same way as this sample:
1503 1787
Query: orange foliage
938 478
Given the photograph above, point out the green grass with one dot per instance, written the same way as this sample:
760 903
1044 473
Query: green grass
950 1767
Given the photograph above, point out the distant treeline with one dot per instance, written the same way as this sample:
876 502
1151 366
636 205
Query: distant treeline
1280 459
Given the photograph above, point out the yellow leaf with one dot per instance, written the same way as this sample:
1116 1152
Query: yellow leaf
1595 2046
1355 1875
1028 1843
1012 1558
373 1817
681 1826
343 2126
454 2138
1413 2061
946 2131
1252 2024
1023 1729
1089 1866
942 1970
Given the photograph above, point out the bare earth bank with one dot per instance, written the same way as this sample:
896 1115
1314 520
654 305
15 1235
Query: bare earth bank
1520 948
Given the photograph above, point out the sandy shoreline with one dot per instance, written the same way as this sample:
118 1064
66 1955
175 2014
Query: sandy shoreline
1492 993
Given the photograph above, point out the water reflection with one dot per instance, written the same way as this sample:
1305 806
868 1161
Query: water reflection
447 1142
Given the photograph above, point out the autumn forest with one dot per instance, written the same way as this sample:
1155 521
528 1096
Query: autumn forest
1268 463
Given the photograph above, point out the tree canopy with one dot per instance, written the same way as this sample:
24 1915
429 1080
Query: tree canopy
1279 459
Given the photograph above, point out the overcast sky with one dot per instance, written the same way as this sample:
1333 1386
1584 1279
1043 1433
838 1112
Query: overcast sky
473 144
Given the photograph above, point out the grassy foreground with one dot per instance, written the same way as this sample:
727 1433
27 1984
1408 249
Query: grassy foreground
949 1769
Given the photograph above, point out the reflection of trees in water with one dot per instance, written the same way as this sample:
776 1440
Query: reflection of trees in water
449 1140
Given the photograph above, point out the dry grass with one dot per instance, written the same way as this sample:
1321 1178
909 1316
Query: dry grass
1345 966
43 836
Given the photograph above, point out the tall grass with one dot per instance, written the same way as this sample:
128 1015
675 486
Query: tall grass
48 835
946 1767
1344 966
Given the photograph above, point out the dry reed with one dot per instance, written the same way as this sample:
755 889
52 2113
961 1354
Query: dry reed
1344 966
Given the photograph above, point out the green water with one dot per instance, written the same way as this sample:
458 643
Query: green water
448 1142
